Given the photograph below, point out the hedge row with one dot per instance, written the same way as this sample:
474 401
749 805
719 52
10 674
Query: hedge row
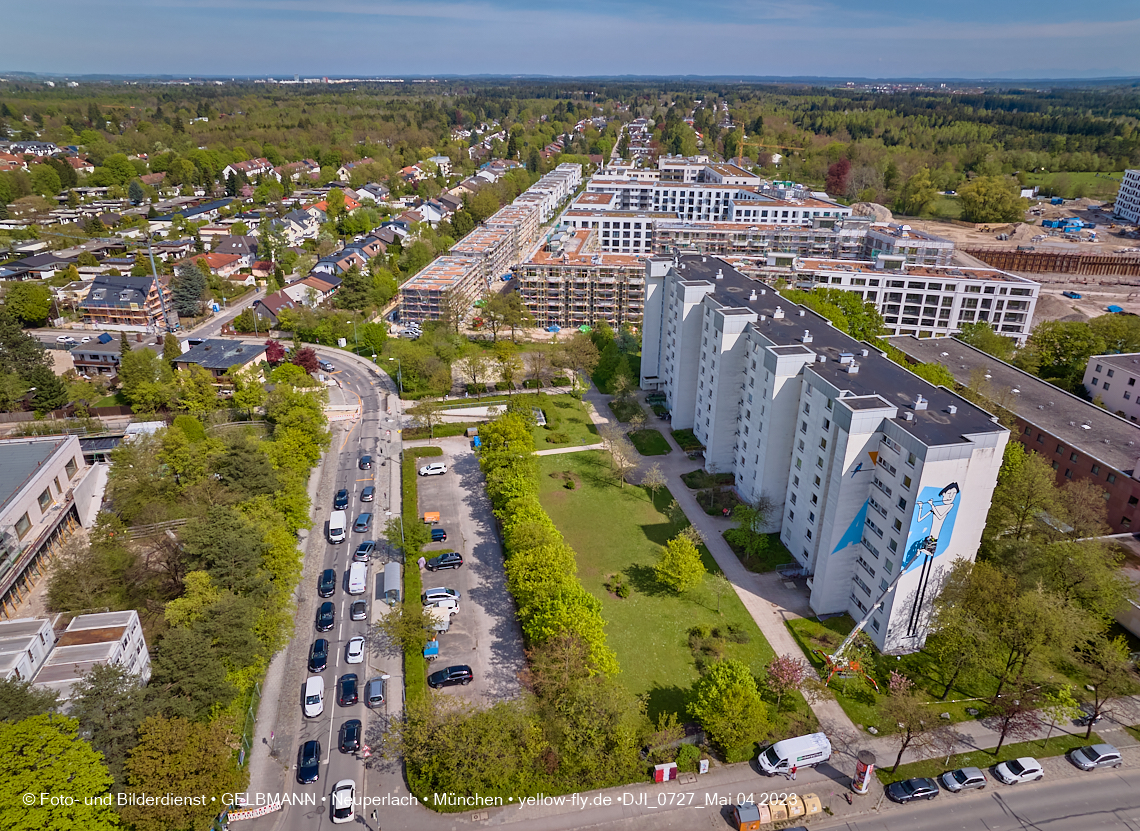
415 667
541 568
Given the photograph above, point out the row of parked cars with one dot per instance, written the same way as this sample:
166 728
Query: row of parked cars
1015 771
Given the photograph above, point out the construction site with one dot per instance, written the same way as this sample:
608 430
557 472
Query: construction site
1072 247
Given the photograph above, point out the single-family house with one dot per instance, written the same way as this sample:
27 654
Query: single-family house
250 169
269 308
374 191
344 172
241 246
38 266
80 165
219 356
101 355
296 171
221 264
153 179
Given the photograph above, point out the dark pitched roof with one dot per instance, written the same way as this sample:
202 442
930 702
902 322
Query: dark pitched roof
220 354
120 292
275 302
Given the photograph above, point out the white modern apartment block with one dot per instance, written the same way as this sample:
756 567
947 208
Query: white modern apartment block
25 644
924 301
1115 380
1128 198
875 474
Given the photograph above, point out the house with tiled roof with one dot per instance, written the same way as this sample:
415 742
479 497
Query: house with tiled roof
344 172
241 246
296 171
250 169
350 205
269 308
218 356
153 179
221 264
124 300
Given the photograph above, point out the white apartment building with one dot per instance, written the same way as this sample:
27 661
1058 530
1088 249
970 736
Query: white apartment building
875 474
1114 380
114 638
924 301
1127 205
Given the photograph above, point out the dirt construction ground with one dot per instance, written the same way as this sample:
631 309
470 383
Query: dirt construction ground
1097 292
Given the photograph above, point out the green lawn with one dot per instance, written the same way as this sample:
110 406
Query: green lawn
116 400
1080 183
860 702
650 442
621 529
699 479
567 422
769 559
983 759
686 440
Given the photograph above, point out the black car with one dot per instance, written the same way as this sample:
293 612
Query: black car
364 552
326 585
438 535
319 655
368 494
366 463
309 762
340 501
326 616
363 523
909 790
448 559
350 736
451 676
358 610
349 690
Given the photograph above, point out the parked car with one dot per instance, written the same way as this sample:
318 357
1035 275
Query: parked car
910 790
1094 756
374 692
349 691
340 501
1025 769
343 800
350 736
431 596
309 762
368 494
363 523
438 535
434 469
318 655
358 610
364 551
963 779
366 463
326 616
451 676
354 650
326 585
448 559
314 695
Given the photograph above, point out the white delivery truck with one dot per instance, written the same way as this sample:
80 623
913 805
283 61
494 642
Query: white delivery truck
337 523
800 752
358 578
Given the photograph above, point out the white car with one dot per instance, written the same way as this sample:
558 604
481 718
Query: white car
447 605
85 339
64 339
354 651
343 801
434 469
1025 769
431 596
314 696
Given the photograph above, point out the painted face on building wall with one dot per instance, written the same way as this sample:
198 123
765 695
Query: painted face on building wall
933 523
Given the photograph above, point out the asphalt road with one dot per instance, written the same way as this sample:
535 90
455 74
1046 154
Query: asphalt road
352 438
485 634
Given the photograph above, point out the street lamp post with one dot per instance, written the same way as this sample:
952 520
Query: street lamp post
355 336
399 374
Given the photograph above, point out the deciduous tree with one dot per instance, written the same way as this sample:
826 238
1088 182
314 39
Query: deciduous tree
679 564
27 302
905 708
726 701
786 673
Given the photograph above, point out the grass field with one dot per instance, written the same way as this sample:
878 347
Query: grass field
567 422
1077 184
860 702
983 759
650 442
770 559
620 529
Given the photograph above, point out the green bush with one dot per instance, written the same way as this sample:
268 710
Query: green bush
557 438
475 389
687 441
687 757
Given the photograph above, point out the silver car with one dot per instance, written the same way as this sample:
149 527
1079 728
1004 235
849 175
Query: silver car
1094 756
962 779
433 596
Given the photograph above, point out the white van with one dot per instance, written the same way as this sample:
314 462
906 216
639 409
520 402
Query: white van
358 578
314 696
337 523
800 752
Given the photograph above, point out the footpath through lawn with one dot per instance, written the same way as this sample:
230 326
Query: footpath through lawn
615 529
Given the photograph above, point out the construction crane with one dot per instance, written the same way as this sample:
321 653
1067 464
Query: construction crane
836 663
741 144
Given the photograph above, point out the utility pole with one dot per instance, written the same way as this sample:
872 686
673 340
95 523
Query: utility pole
158 285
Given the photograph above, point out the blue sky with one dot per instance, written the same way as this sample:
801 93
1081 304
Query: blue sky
873 38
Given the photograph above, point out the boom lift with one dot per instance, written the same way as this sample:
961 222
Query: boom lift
836 663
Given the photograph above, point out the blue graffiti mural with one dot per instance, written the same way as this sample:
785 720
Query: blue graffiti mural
854 532
932 525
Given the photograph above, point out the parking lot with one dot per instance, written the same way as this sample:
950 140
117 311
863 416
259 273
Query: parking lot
485 634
